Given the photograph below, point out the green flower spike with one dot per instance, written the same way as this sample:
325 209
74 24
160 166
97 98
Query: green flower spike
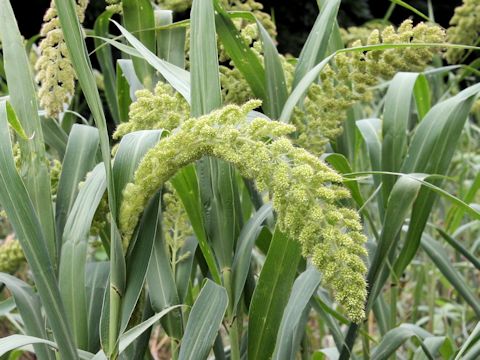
464 29
350 78
11 255
55 71
164 109
305 190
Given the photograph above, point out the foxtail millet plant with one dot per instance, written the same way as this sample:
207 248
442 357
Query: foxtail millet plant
220 214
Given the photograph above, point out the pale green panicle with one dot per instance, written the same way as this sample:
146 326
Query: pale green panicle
351 76
464 29
163 109
54 166
11 255
354 33
305 190
55 172
17 155
55 71
101 216
257 10
114 5
235 88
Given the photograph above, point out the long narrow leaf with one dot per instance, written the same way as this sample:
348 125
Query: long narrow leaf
243 254
105 60
23 98
275 78
79 159
139 18
21 213
303 289
395 125
74 253
205 80
176 76
241 54
204 322
30 309
441 260
271 295
438 134
316 45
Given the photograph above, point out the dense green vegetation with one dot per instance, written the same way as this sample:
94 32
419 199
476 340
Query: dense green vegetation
201 195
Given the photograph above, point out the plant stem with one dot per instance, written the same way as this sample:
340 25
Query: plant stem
234 341
232 318
366 342
431 303
393 307
174 349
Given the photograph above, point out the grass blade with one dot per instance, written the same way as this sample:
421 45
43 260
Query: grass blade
77 49
271 295
176 76
96 276
55 137
340 163
105 60
74 253
396 337
242 55
203 323
421 93
23 98
472 339
275 78
170 42
205 80
401 198
444 264
438 134
132 148
138 18
127 84
396 116
303 289
316 45
13 342
184 268
457 245
161 283
370 129
138 260
21 213
185 183
243 254
129 336
30 309
79 159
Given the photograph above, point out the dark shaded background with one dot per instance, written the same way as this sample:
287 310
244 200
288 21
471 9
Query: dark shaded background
294 18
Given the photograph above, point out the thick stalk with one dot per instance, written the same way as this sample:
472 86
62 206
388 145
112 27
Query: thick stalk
232 317
366 341
349 340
